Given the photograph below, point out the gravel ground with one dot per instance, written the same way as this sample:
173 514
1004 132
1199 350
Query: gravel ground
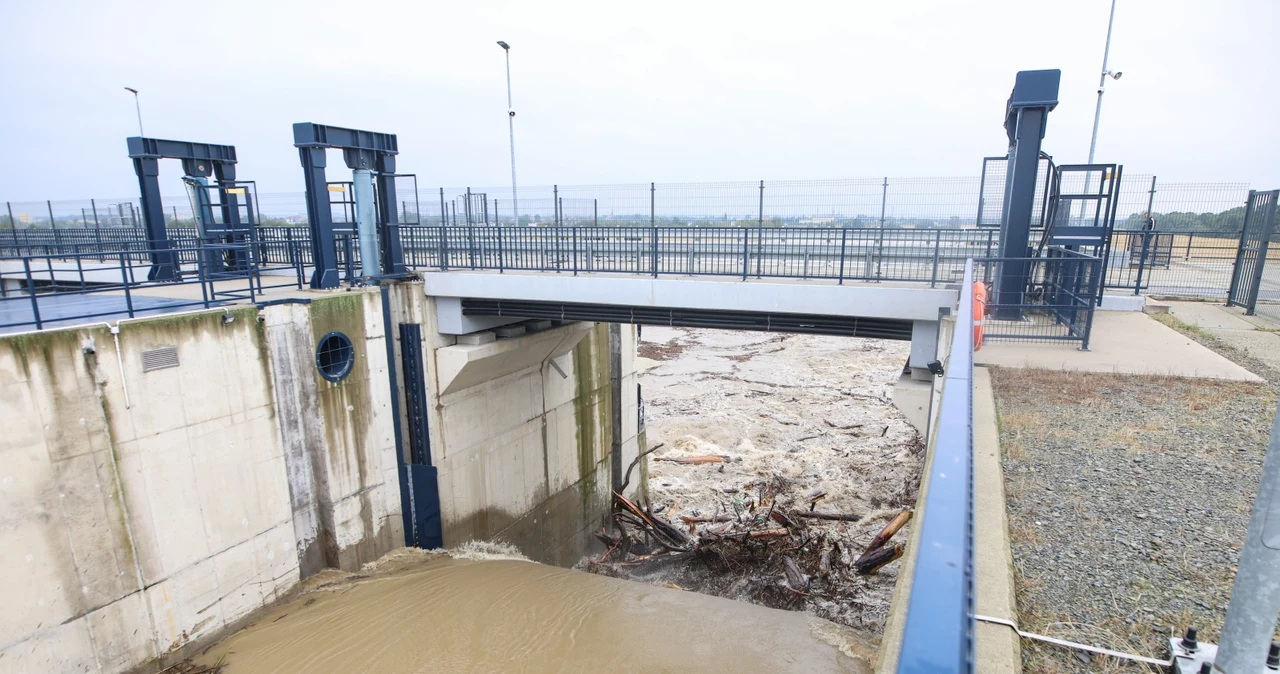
1128 497
808 411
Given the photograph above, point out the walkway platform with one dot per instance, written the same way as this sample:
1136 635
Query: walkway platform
1123 342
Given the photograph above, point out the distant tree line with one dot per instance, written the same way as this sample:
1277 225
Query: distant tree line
1228 221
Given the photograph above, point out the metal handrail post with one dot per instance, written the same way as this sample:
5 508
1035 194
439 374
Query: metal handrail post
937 247
1142 261
31 290
124 277
1094 289
501 259
844 237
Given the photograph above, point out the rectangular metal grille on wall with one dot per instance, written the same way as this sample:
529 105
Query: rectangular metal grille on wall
158 359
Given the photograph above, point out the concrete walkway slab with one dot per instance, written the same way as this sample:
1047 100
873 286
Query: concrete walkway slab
1124 343
1251 334
1209 315
998 649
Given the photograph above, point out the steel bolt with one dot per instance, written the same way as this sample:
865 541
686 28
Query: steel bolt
1189 641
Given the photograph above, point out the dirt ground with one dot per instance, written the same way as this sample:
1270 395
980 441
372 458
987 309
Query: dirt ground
805 413
1128 498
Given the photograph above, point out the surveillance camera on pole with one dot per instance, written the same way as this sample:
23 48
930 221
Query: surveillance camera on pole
1102 81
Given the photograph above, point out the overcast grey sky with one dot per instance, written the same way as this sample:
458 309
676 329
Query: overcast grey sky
614 92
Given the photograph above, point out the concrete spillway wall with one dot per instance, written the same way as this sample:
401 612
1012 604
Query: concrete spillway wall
146 508
522 435
157 490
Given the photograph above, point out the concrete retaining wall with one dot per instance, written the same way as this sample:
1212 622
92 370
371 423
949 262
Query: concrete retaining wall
143 511
521 433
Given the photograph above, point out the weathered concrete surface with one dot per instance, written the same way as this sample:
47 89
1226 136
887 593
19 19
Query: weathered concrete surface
359 441
338 437
997 648
1251 334
521 434
1122 342
142 512
912 397
132 528
897 301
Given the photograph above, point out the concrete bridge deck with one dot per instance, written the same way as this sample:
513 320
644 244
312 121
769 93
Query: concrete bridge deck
470 301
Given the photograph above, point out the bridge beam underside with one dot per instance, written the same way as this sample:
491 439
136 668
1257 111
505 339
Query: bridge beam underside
846 326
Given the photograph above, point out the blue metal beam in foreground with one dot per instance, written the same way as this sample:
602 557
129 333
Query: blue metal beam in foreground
938 635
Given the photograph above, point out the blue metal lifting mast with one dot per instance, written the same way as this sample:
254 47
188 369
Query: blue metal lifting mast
364 150
199 160
1035 93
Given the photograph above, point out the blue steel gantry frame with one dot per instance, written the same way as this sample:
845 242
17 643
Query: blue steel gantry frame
360 150
199 160
1035 93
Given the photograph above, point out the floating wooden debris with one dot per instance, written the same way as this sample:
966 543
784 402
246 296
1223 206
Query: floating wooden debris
693 460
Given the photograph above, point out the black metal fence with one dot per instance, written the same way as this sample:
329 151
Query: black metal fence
1058 305
1159 263
858 203
933 256
39 290
1253 251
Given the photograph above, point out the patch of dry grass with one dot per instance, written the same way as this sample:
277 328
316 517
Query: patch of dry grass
1086 454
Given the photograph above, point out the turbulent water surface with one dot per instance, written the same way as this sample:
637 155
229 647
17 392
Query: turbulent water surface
436 613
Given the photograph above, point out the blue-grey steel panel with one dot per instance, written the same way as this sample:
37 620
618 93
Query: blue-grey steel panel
938 635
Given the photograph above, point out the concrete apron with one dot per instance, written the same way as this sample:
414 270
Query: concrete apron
997 647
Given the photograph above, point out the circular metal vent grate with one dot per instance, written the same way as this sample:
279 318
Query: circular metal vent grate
334 356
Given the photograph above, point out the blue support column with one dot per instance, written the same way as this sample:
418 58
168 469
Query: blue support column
1035 93
388 220
360 150
323 254
164 260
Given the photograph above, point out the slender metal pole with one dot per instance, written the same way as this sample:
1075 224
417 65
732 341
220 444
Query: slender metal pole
760 215
1255 597
1151 198
52 223
884 199
511 130
1102 81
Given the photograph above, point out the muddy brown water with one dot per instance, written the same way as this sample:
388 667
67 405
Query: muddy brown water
434 613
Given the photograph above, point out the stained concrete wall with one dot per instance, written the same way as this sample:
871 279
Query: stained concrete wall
521 434
144 512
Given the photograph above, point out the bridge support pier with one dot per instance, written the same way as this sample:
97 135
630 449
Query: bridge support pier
924 349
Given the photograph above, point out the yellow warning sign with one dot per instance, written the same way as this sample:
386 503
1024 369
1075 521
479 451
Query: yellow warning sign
337 188
236 190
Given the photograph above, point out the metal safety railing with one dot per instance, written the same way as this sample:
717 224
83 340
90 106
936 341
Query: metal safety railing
40 290
1062 293
1161 263
839 254
939 626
